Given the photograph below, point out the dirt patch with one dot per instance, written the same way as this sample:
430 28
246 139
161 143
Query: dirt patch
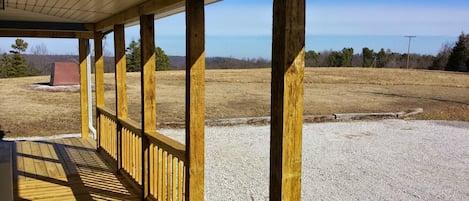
49 88
44 86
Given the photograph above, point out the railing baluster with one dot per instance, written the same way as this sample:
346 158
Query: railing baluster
134 165
165 175
160 174
174 174
151 164
126 150
139 160
170 178
155 171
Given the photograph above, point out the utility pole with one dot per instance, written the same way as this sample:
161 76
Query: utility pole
408 49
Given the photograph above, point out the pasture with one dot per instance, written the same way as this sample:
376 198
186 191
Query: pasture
25 111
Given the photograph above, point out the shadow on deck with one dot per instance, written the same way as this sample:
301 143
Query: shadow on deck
65 169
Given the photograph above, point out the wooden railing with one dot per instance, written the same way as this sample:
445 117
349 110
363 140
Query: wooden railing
107 138
132 149
166 161
167 171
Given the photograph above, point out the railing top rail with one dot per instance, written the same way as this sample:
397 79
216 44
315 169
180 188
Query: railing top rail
131 125
107 112
173 147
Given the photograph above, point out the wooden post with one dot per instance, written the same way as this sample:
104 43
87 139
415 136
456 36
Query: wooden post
195 99
287 99
84 50
121 91
99 81
99 68
148 92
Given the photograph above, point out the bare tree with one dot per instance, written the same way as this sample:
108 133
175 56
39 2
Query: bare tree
441 59
109 63
39 58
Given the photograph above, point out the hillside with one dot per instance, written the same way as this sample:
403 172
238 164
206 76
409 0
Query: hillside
246 93
43 63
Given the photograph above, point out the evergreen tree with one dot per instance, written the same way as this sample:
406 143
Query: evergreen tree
347 55
133 56
311 58
5 65
458 58
134 60
15 65
368 57
335 59
381 58
162 60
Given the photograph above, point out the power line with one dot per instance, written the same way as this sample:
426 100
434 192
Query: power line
408 49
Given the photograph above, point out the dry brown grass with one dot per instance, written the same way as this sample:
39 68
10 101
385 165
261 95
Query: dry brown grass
246 93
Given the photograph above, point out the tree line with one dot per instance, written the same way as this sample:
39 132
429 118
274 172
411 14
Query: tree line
17 64
451 57
367 58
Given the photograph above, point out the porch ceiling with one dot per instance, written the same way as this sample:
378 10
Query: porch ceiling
93 14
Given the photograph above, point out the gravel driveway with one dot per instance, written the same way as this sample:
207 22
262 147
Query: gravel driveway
381 160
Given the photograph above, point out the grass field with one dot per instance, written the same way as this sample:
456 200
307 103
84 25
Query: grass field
245 93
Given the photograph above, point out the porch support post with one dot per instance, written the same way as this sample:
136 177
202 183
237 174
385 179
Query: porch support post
148 92
287 99
84 51
195 99
121 91
99 81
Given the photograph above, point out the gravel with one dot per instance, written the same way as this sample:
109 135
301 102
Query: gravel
379 160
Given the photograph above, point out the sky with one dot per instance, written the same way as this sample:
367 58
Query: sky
242 28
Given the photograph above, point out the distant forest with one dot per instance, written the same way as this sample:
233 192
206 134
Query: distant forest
43 63
452 57
367 58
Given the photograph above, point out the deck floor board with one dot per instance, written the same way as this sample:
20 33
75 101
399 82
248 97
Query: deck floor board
65 169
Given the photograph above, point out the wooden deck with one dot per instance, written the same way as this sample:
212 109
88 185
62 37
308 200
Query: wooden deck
65 169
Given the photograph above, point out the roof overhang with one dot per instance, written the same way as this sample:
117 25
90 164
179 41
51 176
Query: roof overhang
79 18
